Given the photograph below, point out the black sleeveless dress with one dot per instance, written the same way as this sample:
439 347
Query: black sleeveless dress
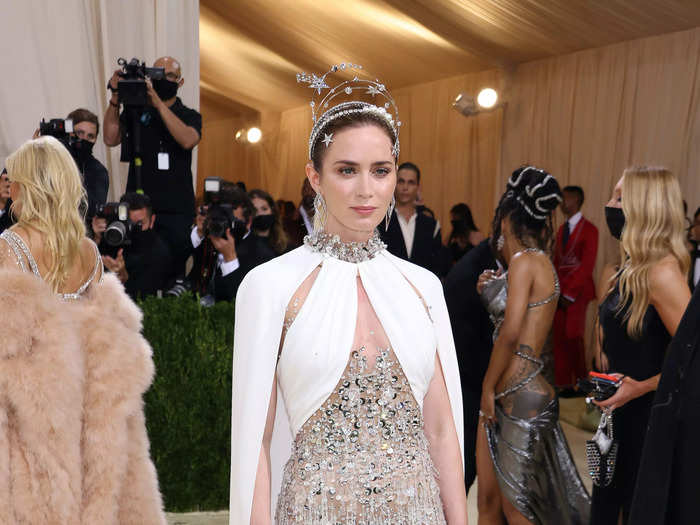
639 359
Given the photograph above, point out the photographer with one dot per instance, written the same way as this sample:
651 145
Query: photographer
167 131
220 264
143 265
80 141
6 219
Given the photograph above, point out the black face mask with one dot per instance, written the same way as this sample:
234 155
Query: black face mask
263 223
616 221
459 226
81 149
165 88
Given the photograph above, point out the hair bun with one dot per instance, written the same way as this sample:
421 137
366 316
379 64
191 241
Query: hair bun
536 190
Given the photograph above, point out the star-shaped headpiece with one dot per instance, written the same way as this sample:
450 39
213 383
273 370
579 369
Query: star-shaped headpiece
323 111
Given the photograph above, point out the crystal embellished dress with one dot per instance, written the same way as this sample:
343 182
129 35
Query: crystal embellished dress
362 458
362 333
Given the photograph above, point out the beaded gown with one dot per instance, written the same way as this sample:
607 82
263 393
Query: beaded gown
530 454
358 454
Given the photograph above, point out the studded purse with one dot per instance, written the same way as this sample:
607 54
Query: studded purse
601 452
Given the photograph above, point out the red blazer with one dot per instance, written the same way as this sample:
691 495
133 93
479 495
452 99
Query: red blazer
575 263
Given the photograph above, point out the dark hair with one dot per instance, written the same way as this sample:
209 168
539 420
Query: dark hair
425 211
697 212
410 166
232 194
349 120
4 170
278 238
289 208
138 201
578 191
529 200
462 213
84 115
241 185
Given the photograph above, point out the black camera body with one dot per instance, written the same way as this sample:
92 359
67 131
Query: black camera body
120 229
56 127
132 86
219 215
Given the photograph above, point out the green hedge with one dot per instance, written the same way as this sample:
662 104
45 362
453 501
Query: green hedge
188 408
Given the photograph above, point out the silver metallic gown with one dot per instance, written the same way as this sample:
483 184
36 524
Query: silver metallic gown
530 454
362 458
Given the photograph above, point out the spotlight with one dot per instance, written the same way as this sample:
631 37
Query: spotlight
487 98
254 135
465 105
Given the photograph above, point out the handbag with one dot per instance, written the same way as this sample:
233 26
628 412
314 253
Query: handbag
601 452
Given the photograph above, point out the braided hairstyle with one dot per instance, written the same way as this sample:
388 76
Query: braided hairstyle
530 198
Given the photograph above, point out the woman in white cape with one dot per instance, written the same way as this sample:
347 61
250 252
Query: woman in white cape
346 397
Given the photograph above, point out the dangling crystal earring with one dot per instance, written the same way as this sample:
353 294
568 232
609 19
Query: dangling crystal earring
320 212
500 243
389 211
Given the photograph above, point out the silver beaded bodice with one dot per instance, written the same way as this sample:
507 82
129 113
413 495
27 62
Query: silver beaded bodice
353 252
362 458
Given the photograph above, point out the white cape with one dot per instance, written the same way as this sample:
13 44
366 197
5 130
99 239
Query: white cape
317 348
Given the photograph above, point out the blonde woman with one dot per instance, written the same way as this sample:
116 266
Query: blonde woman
639 315
74 365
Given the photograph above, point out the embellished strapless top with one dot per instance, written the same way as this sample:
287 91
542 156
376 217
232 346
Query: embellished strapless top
362 458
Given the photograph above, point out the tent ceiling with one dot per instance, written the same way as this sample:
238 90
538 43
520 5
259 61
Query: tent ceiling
252 49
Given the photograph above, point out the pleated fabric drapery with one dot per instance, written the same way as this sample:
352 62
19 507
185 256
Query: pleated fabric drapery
58 56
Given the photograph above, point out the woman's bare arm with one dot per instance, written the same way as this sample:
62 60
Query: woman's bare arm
444 448
670 295
261 512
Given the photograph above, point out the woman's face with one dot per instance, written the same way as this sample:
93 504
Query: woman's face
261 206
357 181
616 199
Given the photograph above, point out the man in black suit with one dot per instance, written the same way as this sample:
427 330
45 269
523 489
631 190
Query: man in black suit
694 237
472 331
413 236
221 264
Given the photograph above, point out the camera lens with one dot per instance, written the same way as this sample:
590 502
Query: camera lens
115 234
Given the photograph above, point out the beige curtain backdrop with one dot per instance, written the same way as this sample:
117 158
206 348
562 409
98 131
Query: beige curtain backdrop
58 56
586 116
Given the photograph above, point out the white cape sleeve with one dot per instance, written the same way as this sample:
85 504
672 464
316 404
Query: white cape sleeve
257 334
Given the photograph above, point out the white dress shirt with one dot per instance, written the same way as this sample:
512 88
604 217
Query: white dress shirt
408 230
574 220
226 267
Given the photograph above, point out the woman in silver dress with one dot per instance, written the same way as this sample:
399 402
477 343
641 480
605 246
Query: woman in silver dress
346 396
524 466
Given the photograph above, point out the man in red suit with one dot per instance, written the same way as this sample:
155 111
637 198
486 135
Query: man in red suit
574 258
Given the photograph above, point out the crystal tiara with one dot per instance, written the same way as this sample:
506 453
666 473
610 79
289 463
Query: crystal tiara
322 112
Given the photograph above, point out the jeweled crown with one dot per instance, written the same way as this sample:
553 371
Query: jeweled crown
323 112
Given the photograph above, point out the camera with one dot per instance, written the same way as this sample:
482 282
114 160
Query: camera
132 86
219 214
120 229
56 127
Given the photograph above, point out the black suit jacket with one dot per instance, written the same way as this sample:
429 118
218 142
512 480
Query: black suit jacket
667 482
6 219
252 251
471 326
427 251
691 275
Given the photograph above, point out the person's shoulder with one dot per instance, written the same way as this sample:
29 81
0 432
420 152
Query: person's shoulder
664 272
186 110
588 224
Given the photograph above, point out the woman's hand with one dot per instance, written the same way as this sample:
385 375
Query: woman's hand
485 277
629 389
487 411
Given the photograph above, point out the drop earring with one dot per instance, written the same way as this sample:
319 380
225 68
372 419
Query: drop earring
389 212
500 243
320 212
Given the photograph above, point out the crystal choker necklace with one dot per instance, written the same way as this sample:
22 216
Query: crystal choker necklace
353 252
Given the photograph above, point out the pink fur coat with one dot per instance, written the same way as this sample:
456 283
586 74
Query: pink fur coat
73 443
